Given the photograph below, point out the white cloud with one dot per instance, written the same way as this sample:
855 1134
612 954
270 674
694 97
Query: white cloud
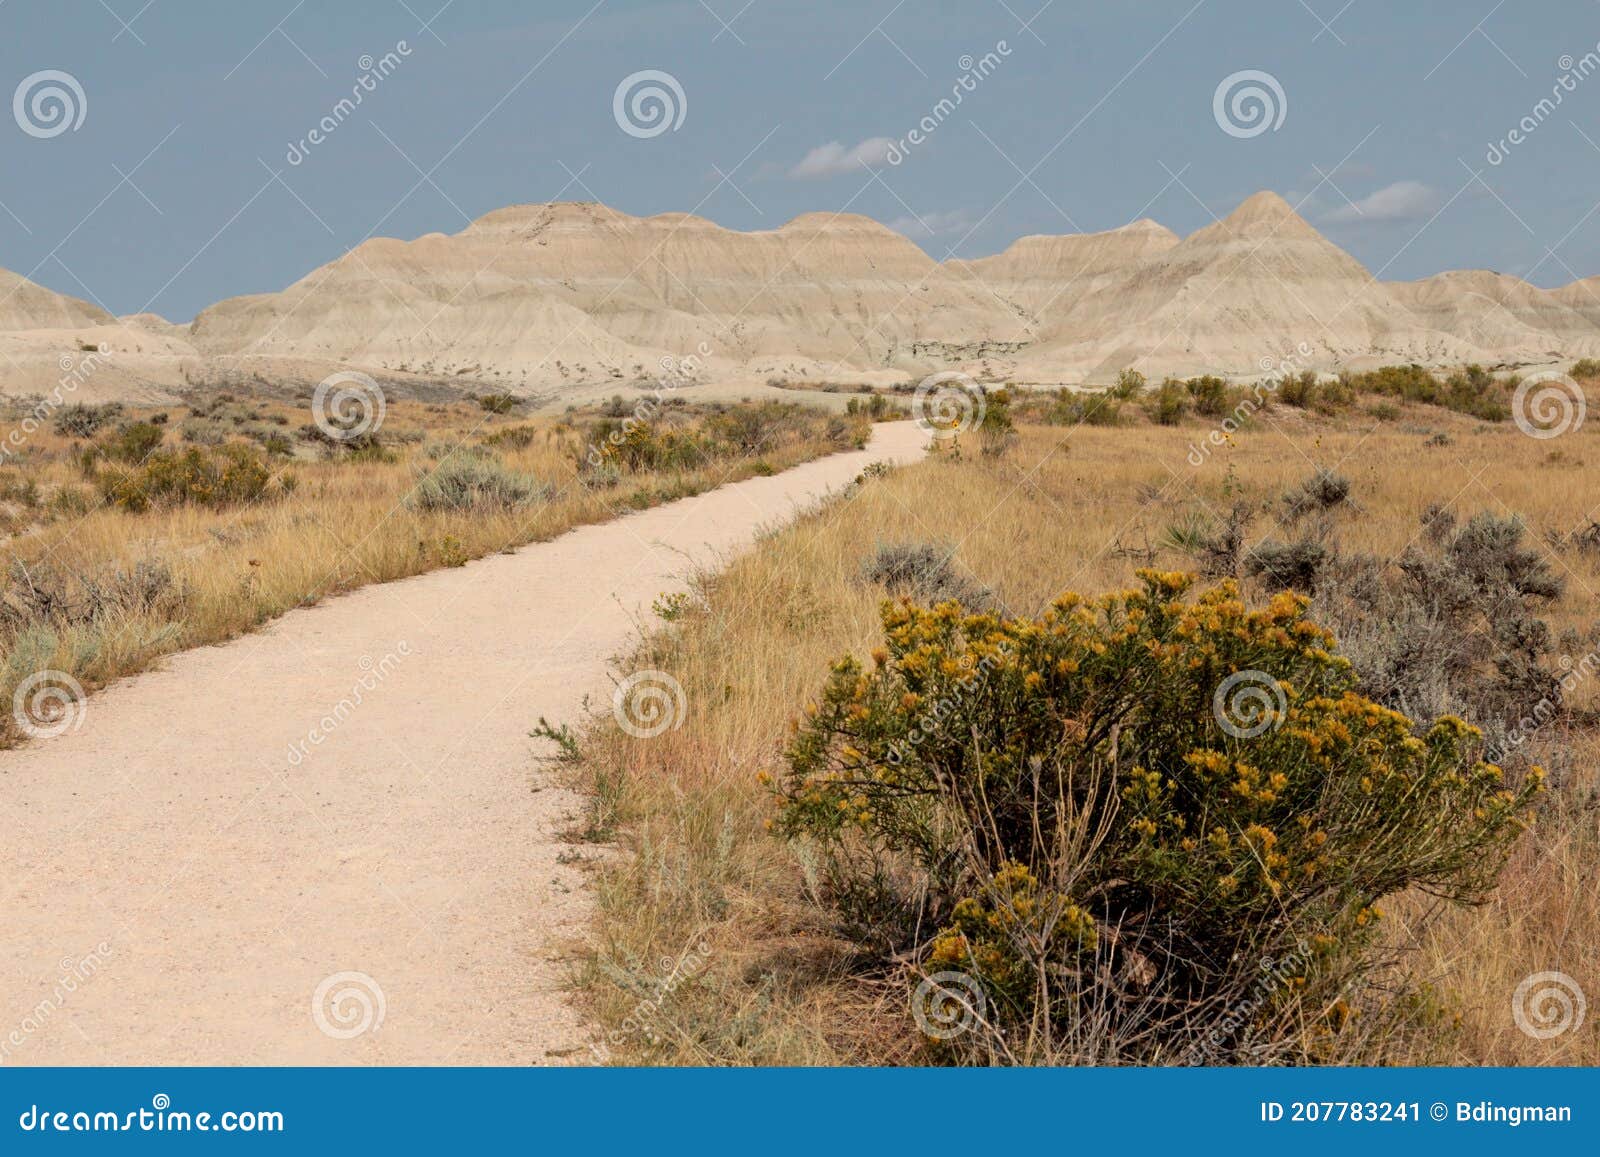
925 225
831 159
1401 201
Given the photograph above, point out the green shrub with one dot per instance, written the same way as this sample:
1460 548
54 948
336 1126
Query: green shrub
1585 368
81 420
926 572
274 443
1169 403
1472 390
1453 624
636 445
1210 395
498 403
1323 490
1298 390
875 408
474 483
45 595
134 442
1130 384
1070 408
512 437
202 432
1083 814
1288 565
227 476
996 430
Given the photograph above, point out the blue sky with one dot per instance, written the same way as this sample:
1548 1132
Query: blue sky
176 189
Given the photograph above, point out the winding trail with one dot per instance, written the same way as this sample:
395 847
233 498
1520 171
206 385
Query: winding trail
177 887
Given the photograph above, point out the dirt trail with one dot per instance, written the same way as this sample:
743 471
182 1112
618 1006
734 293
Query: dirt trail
178 885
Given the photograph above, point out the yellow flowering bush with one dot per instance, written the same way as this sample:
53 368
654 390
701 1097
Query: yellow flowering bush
1069 809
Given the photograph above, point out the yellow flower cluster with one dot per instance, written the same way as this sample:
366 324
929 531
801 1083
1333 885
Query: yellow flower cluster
987 932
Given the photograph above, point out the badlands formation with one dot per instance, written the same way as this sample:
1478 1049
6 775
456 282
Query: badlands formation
551 299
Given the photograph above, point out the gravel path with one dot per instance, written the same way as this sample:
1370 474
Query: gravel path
329 842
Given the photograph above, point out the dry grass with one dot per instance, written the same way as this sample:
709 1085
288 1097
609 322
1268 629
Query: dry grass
1071 509
345 523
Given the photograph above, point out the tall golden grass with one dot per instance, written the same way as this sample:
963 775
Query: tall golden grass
345 523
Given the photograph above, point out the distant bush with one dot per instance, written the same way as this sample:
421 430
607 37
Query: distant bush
1169 403
1069 812
498 403
81 420
471 483
512 437
925 572
1453 624
1585 368
277 444
203 432
1210 395
1298 390
600 476
1324 490
676 439
349 442
227 476
1130 384
996 429
44 595
875 408
1288 565
1472 390
1072 408
437 451
134 442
